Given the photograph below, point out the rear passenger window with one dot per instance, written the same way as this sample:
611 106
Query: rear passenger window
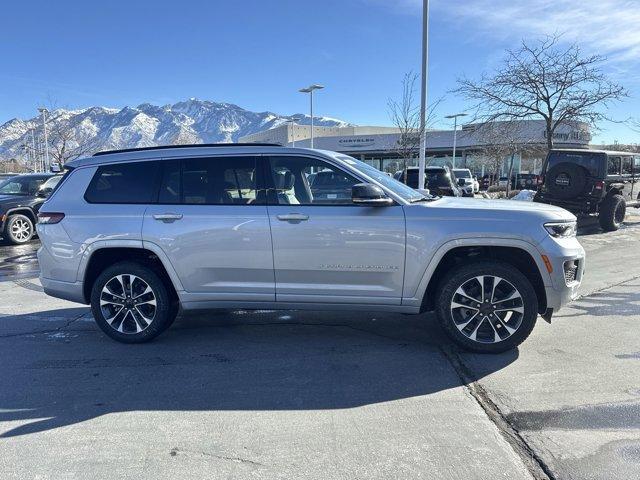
627 165
219 181
613 166
636 168
123 183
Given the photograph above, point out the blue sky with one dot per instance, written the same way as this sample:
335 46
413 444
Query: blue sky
257 54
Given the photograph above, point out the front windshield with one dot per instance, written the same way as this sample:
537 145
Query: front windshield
20 186
462 173
399 188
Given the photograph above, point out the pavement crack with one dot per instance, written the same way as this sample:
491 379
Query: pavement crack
61 328
177 451
536 466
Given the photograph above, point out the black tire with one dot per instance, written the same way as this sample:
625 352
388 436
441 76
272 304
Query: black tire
14 229
131 327
453 322
566 180
612 213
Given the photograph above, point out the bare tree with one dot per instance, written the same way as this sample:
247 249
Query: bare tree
405 115
545 81
501 141
67 139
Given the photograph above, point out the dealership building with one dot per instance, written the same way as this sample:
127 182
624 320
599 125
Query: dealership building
475 143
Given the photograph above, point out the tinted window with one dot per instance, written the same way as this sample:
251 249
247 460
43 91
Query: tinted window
123 183
433 179
216 181
308 181
170 189
592 161
637 164
613 166
627 165
21 185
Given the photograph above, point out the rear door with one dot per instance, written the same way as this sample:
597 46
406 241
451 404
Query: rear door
211 221
326 248
627 177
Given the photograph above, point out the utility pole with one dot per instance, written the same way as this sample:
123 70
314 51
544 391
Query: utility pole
423 93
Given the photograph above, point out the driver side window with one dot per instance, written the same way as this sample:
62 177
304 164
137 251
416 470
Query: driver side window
308 181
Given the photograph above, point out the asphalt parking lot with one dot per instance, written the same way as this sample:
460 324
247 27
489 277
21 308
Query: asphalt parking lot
322 395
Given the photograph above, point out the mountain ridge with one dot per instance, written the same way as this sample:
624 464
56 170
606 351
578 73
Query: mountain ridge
77 132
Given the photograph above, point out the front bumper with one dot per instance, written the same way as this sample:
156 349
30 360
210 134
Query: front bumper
567 261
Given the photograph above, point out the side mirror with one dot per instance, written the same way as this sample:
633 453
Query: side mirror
369 194
461 182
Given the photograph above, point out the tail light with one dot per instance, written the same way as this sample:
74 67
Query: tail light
49 218
599 185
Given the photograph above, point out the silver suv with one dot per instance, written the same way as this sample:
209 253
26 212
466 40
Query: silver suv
141 233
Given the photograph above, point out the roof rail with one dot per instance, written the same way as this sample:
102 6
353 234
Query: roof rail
195 145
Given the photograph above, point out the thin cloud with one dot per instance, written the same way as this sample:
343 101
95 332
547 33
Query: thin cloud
606 27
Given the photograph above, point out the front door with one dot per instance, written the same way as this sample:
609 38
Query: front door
326 248
211 221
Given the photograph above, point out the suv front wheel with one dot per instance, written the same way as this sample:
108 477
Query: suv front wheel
131 304
487 307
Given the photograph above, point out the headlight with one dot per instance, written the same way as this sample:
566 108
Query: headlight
561 229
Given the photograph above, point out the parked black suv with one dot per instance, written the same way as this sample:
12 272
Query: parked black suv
592 182
20 200
438 180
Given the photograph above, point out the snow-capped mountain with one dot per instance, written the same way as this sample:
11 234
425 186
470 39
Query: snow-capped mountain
100 128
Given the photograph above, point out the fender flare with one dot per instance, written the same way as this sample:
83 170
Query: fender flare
416 299
25 209
93 247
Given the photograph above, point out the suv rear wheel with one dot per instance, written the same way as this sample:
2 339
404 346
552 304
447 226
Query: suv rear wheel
18 229
487 307
612 212
131 304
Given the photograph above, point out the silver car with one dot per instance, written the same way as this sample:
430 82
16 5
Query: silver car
140 234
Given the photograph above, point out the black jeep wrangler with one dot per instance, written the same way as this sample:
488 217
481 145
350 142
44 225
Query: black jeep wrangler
591 182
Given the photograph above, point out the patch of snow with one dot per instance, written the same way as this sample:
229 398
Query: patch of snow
525 196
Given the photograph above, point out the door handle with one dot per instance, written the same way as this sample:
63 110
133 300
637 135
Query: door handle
167 217
293 217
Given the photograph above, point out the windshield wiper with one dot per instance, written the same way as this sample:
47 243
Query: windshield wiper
423 199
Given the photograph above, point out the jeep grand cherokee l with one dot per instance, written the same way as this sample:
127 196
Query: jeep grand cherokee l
139 234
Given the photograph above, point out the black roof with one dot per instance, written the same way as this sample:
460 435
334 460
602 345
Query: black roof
195 145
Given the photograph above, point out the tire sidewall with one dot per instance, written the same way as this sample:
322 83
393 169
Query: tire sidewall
163 317
607 214
459 276
7 230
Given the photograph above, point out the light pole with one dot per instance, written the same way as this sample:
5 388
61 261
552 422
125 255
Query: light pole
44 112
310 90
423 93
35 152
455 133
292 122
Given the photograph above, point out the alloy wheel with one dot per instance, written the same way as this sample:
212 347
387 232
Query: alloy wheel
21 230
487 309
128 304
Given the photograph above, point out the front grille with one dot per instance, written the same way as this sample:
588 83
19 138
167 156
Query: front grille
570 271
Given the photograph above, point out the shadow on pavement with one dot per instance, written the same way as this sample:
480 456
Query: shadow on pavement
608 304
226 361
